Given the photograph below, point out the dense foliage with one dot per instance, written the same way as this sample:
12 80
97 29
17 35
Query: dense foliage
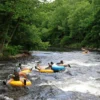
73 23
18 27
31 24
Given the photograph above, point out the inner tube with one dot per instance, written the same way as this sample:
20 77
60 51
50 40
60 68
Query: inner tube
46 71
19 83
58 68
84 52
25 71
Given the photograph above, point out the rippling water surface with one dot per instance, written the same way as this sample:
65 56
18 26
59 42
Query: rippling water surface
80 82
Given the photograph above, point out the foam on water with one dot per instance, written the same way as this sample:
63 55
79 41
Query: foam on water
84 79
76 83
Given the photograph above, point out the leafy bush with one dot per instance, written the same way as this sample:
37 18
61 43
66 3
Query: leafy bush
75 45
11 50
65 41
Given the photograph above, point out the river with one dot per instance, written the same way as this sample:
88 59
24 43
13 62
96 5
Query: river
80 82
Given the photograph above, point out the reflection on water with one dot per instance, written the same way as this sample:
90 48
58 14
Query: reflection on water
80 82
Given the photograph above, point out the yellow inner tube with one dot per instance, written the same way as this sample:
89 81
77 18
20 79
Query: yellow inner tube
25 71
84 52
19 83
46 71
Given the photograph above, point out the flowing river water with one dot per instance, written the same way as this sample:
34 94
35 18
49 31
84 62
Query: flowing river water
80 82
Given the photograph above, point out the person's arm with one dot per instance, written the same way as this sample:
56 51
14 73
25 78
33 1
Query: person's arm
23 75
10 76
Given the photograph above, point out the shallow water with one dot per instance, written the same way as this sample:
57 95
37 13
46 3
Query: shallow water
80 82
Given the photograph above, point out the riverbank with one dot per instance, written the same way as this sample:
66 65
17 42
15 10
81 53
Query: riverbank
27 54
17 56
67 48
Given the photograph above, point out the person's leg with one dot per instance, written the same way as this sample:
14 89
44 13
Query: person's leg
7 82
24 81
4 82
31 69
37 68
25 69
69 65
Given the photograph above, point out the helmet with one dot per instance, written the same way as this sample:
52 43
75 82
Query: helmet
52 63
61 62
19 64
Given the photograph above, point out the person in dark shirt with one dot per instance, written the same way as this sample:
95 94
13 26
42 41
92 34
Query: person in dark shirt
15 76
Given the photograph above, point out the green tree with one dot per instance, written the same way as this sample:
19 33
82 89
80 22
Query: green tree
16 20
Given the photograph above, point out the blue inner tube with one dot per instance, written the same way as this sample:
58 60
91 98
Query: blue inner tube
58 68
